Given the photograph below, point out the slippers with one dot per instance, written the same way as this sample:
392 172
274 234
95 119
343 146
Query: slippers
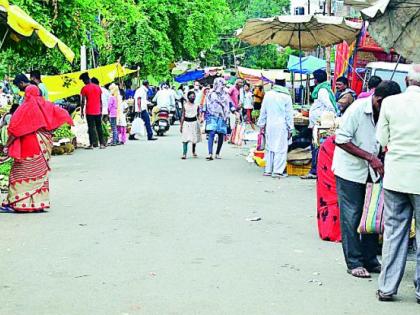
384 297
183 158
359 272
209 158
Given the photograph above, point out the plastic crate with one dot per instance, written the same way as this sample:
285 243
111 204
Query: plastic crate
295 170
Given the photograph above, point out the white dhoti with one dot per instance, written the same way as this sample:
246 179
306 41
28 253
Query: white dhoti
275 162
277 118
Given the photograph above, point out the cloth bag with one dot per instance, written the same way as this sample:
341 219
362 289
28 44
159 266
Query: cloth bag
137 127
261 140
372 221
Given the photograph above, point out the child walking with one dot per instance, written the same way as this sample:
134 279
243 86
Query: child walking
122 123
113 111
190 127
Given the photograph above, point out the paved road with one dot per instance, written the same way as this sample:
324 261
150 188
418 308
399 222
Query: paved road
135 230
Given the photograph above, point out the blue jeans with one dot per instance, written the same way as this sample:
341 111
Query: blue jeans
113 121
144 115
314 163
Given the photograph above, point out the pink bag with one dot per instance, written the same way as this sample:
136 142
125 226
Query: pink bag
261 140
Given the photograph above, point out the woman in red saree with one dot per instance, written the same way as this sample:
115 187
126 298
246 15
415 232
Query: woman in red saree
30 145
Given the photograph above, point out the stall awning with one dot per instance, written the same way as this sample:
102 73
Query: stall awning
23 25
66 85
309 64
190 76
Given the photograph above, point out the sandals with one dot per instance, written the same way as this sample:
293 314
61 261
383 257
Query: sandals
195 155
184 157
267 174
359 272
218 157
309 176
386 297
209 158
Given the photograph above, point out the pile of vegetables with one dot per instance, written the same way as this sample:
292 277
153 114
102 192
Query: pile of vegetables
64 132
5 168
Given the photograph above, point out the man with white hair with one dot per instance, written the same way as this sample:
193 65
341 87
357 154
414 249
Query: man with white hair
399 133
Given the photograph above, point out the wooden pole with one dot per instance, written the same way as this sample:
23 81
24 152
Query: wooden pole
328 50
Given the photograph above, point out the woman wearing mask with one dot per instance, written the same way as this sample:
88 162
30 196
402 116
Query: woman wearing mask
217 110
190 127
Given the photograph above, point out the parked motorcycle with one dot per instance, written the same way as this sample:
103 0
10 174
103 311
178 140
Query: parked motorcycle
161 124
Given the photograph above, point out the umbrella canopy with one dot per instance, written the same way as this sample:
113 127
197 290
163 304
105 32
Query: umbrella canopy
20 23
396 24
308 64
359 4
304 32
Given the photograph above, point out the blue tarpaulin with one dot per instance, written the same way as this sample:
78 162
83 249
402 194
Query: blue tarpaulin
309 64
190 76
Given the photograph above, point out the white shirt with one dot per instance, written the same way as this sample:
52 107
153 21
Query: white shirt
358 127
164 98
399 131
105 99
245 98
320 105
141 93
277 117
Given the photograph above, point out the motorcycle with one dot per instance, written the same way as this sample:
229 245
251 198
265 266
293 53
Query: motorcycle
161 124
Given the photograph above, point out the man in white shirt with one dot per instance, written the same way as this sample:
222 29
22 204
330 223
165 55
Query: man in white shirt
355 162
277 118
164 98
399 132
140 109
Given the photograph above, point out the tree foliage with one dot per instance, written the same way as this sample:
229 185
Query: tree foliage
151 34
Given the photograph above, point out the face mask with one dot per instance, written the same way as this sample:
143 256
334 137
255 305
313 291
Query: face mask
191 98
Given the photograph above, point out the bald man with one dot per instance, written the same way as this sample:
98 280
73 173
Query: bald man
398 131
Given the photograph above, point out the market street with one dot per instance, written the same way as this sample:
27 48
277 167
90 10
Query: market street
135 230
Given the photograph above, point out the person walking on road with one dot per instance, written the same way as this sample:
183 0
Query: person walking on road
355 163
30 145
276 118
113 104
190 127
141 110
217 109
92 101
398 131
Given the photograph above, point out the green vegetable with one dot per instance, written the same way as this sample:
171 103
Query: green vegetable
6 167
64 132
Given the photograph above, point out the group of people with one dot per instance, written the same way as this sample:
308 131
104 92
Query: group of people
377 141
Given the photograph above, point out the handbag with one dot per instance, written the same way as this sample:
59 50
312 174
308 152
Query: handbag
372 221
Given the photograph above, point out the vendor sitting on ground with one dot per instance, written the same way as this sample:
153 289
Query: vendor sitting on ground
344 95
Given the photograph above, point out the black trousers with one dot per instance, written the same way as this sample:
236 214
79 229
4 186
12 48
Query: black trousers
359 250
95 129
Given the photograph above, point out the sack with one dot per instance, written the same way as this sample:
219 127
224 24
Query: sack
261 140
137 127
372 221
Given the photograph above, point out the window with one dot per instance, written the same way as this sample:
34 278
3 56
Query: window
299 11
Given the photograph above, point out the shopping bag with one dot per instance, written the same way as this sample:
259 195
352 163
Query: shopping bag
137 127
261 140
372 221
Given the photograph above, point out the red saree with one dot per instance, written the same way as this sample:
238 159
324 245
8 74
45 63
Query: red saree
31 126
328 211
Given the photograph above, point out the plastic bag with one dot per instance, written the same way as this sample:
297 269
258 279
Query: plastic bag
261 140
137 127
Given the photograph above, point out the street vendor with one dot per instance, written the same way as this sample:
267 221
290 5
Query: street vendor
324 101
344 95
